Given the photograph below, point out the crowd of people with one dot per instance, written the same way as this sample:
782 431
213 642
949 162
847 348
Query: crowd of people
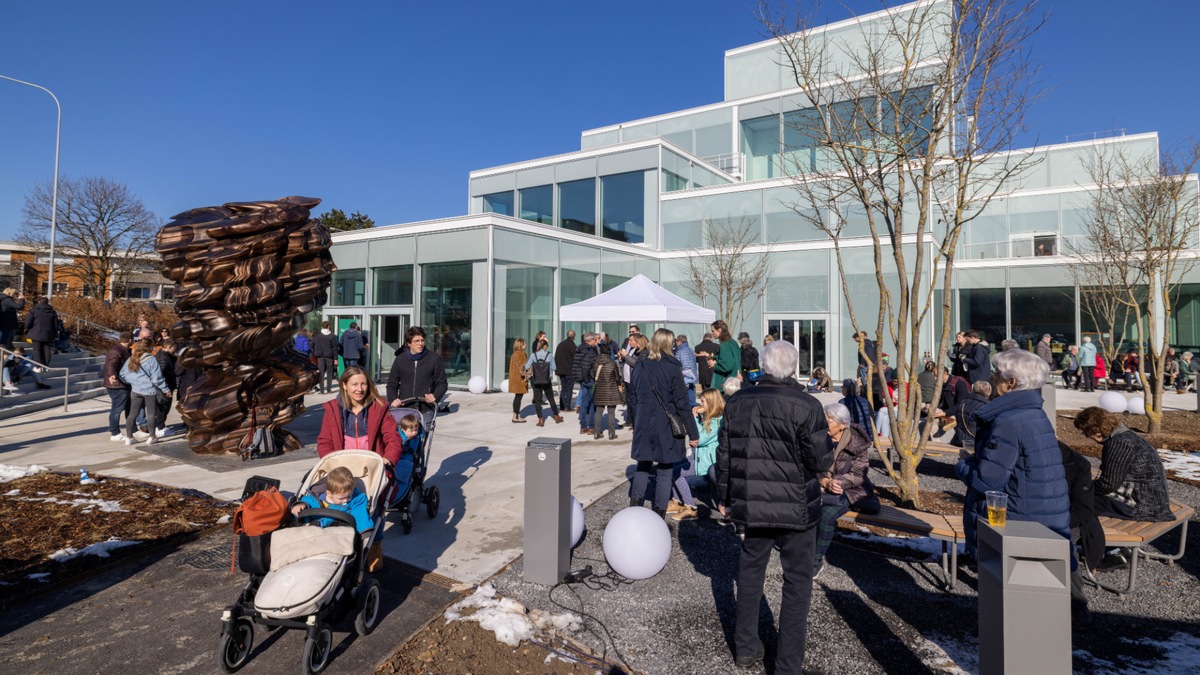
43 328
142 377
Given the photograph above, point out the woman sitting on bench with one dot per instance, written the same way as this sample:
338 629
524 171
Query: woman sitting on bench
1132 484
845 485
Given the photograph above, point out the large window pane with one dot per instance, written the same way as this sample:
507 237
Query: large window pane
788 219
500 202
982 309
394 285
801 131
577 205
525 305
738 213
760 145
349 287
446 312
1037 311
537 204
623 210
576 286
681 223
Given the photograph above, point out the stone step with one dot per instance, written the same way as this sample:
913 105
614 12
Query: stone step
43 400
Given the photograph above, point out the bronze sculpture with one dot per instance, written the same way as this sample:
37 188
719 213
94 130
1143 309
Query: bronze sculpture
245 275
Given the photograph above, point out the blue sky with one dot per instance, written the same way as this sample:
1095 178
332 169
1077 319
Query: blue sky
384 107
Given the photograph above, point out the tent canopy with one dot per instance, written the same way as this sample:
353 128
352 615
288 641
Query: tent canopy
638 299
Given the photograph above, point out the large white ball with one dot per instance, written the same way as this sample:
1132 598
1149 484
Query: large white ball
476 384
1137 405
576 521
1113 402
504 386
637 543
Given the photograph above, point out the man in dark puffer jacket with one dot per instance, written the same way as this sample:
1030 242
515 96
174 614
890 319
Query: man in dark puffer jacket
773 445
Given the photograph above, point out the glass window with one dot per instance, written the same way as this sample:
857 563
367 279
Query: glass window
525 307
1037 311
1036 213
760 145
446 290
740 212
787 219
673 182
982 309
801 131
349 287
537 204
577 205
623 212
576 286
394 285
681 223
799 282
499 202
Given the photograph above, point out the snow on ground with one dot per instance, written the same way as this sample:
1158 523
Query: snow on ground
10 472
1185 465
507 618
944 654
99 549
1181 654
105 505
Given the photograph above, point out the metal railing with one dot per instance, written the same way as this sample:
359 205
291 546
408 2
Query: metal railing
79 321
4 356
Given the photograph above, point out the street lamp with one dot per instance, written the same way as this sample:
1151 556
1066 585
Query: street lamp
54 198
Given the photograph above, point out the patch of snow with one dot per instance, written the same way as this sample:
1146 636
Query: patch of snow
223 519
12 472
1180 654
507 618
12 493
89 505
39 576
944 654
1185 465
99 549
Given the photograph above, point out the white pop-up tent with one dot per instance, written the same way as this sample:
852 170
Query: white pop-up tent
638 299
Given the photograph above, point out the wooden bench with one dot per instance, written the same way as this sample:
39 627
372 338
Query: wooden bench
1135 535
923 524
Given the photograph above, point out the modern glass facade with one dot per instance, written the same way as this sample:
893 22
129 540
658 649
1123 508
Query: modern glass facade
348 287
447 306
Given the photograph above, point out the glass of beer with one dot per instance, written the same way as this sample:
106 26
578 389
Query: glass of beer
997 508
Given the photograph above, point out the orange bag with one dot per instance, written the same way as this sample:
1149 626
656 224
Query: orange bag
262 513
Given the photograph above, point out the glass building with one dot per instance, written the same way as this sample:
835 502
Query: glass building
634 199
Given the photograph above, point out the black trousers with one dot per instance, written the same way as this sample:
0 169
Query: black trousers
796 557
1089 378
326 373
566 392
546 391
42 352
517 404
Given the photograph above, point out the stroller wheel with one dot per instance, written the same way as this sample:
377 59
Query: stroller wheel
406 523
368 607
432 499
234 649
316 651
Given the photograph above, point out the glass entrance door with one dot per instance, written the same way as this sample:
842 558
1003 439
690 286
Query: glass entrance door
387 333
808 336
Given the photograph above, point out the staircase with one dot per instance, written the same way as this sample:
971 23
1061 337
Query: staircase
87 374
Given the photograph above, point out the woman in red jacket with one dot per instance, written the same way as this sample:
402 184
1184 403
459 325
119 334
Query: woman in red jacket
358 419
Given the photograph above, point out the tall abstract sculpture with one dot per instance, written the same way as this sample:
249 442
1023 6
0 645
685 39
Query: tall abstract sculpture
245 275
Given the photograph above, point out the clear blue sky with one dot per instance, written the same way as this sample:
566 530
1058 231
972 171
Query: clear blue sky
384 107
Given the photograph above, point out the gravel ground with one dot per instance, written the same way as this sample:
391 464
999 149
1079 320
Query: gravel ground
873 610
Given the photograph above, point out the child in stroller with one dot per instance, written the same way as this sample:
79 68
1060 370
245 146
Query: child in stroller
416 434
314 570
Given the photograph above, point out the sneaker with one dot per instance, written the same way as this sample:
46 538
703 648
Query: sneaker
152 440
674 506
119 437
12 388
751 660
1112 562
819 569
159 433
141 435
686 513
130 441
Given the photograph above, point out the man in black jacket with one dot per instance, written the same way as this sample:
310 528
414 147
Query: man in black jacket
583 371
707 348
41 327
773 446
564 357
978 359
324 344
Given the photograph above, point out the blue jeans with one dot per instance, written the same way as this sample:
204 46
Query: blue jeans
587 409
6 336
691 392
119 398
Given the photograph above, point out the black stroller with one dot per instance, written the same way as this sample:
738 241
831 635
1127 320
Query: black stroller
416 492
309 578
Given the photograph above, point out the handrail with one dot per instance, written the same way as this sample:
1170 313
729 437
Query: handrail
78 320
66 371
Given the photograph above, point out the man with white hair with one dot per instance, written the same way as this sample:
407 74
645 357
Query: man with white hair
773 446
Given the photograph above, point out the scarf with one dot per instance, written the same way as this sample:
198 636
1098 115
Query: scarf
418 356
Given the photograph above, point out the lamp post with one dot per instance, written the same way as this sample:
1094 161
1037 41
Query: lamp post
54 197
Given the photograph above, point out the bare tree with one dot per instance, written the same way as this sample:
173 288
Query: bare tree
1140 237
101 224
727 270
902 136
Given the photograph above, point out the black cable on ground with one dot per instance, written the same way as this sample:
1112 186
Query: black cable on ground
611 580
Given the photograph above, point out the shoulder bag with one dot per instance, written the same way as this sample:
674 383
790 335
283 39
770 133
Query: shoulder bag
678 430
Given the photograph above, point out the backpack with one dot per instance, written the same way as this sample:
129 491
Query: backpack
541 371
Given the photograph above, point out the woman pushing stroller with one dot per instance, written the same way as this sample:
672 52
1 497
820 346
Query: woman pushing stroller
358 419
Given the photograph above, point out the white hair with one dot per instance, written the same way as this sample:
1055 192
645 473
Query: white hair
1027 369
779 359
838 413
731 386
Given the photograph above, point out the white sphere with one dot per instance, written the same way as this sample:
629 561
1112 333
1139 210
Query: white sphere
504 386
1137 405
637 543
576 521
476 384
1113 402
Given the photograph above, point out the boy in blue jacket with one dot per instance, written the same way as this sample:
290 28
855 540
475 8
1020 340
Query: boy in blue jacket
341 495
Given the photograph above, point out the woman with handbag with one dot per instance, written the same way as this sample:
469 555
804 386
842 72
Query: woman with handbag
607 396
658 398
517 375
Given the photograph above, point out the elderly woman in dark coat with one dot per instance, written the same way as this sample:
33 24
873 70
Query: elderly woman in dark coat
656 390
1132 484
845 486
1016 451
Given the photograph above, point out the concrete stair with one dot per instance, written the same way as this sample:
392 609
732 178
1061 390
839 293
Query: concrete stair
86 381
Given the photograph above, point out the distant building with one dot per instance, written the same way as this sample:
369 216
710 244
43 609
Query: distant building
26 269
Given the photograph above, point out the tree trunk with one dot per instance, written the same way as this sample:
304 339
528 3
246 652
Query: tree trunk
908 482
